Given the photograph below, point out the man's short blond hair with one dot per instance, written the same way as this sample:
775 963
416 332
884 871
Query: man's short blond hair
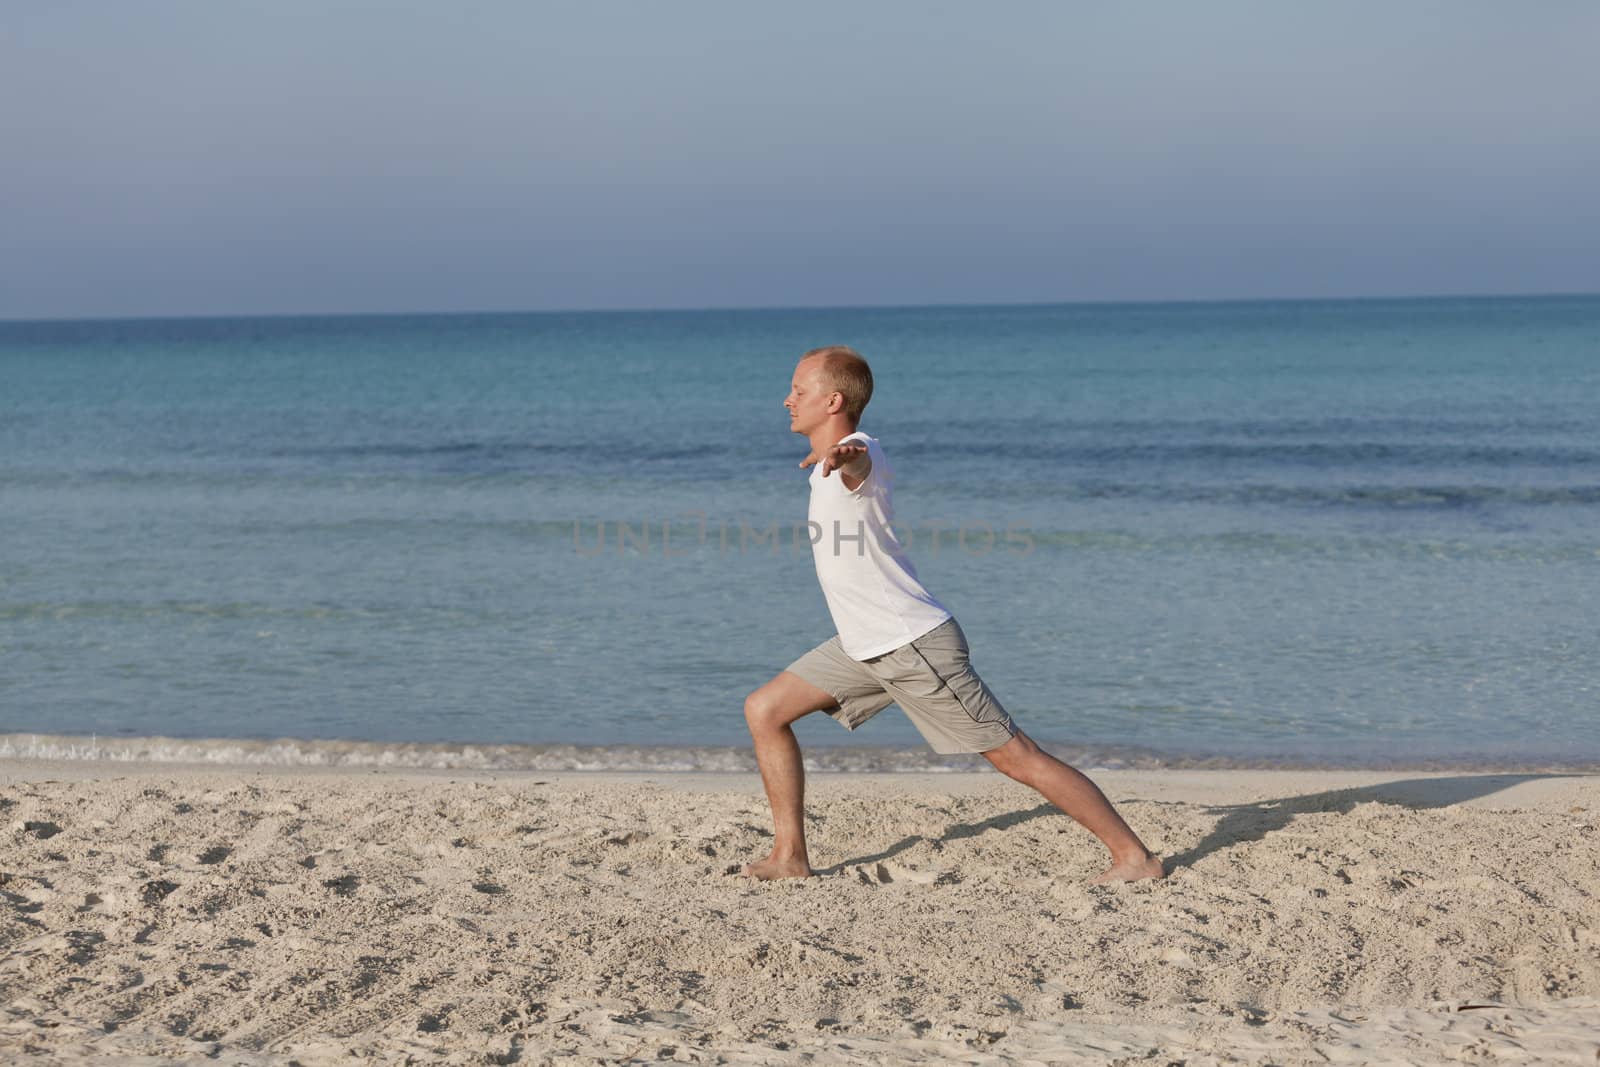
846 373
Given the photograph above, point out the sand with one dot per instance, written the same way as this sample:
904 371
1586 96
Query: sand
161 914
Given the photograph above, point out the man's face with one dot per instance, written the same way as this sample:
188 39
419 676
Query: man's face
807 402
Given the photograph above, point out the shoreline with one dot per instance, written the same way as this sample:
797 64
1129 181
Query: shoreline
1489 789
290 754
190 913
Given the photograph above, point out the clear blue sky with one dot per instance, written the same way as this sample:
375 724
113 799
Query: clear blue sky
287 156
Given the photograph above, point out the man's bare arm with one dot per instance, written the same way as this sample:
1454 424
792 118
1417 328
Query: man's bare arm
850 459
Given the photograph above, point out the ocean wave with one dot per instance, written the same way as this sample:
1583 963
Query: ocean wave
1273 451
133 610
1074 453
308 754
496 453
1023 481
1368 497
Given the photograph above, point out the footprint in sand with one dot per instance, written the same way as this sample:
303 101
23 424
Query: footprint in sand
155 892
91 901
28 902
84 945
343 886
888 873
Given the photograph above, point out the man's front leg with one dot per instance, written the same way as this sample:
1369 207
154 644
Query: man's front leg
783 774
770 711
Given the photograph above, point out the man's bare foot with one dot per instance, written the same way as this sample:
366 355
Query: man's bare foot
772 867
1132 871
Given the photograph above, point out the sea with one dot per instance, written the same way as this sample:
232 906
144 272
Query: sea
1299 534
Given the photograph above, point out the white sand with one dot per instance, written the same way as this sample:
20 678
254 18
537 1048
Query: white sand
159 914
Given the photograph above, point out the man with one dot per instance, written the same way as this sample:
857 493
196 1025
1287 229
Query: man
896 643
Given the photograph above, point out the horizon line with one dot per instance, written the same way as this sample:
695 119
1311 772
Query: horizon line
755 308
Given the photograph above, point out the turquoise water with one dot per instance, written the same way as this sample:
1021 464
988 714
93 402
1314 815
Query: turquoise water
1347 532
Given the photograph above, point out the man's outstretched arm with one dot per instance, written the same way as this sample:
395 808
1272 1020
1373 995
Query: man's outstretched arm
850 459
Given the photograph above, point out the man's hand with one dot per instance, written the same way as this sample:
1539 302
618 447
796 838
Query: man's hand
849 458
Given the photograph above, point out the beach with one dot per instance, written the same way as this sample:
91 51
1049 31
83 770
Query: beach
160 913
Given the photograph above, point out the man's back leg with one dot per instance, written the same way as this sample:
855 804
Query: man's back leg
1072 792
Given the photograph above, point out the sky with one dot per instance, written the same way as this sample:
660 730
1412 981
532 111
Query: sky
191 157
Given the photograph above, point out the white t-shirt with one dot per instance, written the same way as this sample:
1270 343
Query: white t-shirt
870 585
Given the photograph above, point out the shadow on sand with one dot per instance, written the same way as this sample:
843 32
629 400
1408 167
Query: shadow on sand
1242 823
955 833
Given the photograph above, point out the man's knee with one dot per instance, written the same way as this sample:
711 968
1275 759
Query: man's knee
760 709
754 707
782 701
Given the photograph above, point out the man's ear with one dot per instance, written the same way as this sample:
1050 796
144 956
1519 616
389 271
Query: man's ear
835 403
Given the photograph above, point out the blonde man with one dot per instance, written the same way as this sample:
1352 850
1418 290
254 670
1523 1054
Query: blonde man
896 644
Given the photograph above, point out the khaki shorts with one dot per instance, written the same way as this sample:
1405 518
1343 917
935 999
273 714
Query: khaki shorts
930 679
